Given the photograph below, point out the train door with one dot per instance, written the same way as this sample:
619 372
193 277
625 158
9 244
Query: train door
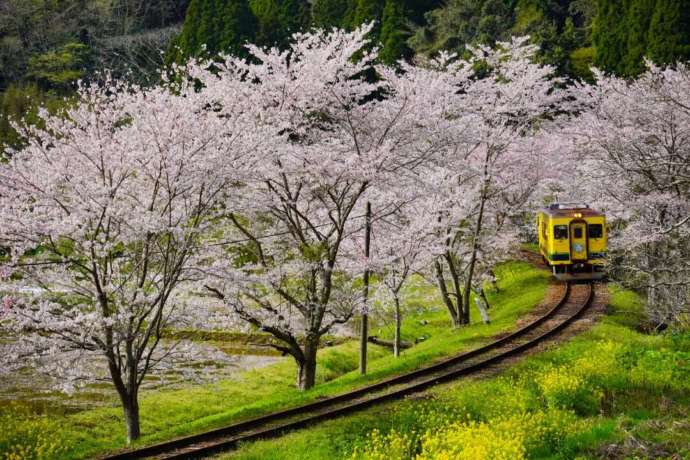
578 241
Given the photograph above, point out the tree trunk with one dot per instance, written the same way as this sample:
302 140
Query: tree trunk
129 398
131 409
482 293
462 315
398 320
457 290
364 331
472 263
306 372
447 301
482 310
363 336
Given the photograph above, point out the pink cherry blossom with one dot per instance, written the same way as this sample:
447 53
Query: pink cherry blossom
630 144
113 198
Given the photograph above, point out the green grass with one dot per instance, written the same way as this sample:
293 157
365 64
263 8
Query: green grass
611 392
168 414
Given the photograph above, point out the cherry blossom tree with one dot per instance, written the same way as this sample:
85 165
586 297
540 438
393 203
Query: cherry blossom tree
401 247
631 143
489 173
335 135
103 212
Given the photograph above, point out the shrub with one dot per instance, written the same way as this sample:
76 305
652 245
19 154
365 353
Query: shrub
560 387
508 437
394 445
26 437
475 441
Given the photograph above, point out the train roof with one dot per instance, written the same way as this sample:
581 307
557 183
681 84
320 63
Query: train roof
570 209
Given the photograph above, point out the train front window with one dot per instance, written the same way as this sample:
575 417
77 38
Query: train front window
577 232
560 232
595 230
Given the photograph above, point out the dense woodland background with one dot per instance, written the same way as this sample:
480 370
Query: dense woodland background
46 46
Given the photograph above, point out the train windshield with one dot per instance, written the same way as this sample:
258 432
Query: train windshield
560 232
595 230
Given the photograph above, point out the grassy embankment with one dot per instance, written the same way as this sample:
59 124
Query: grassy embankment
167 414
611 392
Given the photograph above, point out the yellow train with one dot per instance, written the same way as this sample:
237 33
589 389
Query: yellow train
573 241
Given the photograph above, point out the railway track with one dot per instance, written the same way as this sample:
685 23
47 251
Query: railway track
574 300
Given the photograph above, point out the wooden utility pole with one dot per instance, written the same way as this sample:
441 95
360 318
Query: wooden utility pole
364 330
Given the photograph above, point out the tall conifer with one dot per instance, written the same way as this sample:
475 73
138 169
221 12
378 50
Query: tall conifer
219 25
329 13
610 35
669 32
637 24
394 33
279 19
367 11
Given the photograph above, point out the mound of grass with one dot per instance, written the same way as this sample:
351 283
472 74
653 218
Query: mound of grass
612 392
169 414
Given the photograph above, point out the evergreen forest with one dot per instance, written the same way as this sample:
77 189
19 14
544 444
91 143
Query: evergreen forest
47 46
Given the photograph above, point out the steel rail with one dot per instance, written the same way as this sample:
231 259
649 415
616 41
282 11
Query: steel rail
225 438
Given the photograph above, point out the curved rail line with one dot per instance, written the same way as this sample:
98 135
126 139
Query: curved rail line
569 307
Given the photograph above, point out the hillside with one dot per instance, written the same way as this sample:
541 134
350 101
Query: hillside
45 47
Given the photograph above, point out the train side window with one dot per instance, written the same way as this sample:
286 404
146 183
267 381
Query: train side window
577 232
595 230
560 232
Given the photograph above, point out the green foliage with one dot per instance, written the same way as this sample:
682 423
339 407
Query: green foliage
61 68
581 62
20 104
609 35
417 9
493 20
33 27
214 26
394 33
367 11
39 41
638 20
135 15
393 20
528 14
614 35
279 19
669 32
360 11
45 46
626 31
462 22
556 29
326 14
28 437
13 104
